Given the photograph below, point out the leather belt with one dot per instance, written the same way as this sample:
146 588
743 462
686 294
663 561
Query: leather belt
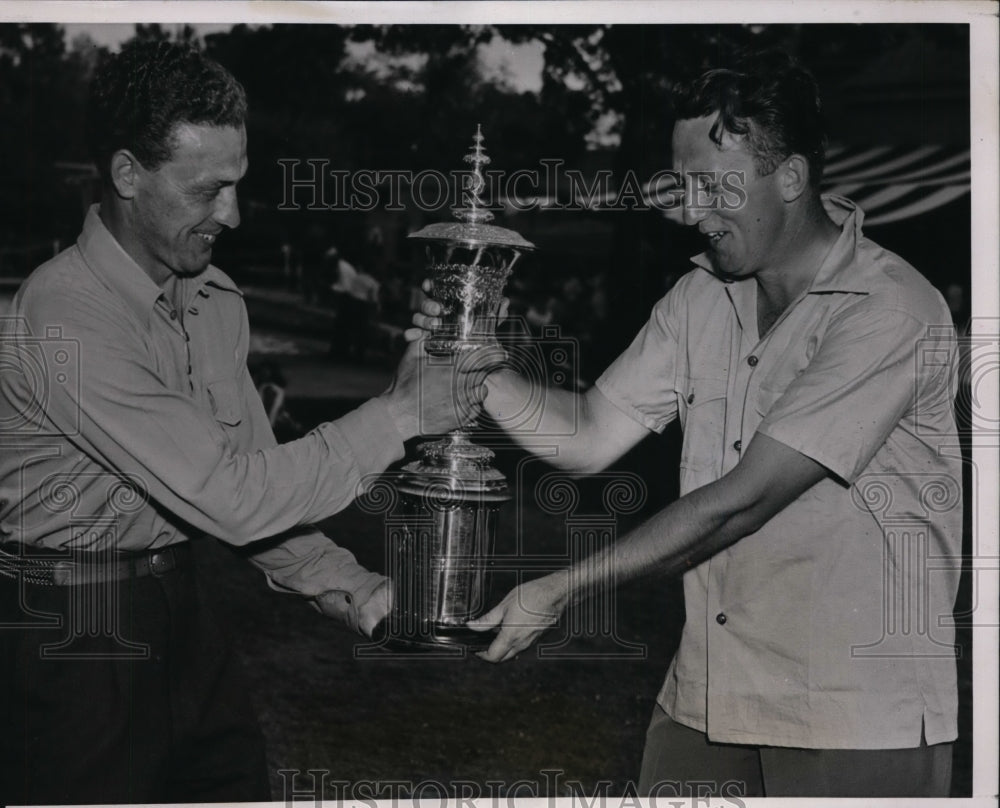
57 569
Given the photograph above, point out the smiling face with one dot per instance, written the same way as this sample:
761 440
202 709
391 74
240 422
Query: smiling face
179 208
742 239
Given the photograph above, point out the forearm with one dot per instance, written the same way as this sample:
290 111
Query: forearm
259 494
674 540
704 521
577 432
681 536
531 415
186 467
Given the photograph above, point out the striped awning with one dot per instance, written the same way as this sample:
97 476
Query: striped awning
889 183
892 183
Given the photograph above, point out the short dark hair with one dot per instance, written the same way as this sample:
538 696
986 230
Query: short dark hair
139 95
768 98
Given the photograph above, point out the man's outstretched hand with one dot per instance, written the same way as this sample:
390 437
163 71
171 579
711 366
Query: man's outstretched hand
526 613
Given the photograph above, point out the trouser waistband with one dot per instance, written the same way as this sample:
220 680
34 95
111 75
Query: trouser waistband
61 568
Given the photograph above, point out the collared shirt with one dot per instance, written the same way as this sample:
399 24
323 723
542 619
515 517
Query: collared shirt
130 424
830 627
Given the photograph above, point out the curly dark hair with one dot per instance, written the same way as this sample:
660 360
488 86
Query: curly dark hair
139 95
768 98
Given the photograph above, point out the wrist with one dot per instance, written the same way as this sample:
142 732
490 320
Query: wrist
401 415
501 390
561 587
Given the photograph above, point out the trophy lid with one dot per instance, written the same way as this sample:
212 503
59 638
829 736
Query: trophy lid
454 464
472 228
472 235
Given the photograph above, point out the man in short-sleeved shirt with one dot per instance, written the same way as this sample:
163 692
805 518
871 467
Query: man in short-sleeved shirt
853 377
819 522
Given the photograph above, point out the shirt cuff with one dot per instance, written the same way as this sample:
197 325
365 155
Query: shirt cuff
308 563
808 444
344 604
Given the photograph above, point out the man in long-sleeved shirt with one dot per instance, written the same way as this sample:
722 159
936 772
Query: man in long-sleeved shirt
131 428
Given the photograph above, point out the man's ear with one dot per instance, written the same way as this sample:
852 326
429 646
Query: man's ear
124 173
794 179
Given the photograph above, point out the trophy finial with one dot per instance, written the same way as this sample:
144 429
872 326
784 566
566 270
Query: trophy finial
476 212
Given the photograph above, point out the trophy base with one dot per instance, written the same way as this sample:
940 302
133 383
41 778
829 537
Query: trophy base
451 640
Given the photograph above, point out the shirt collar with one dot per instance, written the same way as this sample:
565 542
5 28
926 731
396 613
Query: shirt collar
116 268
839 272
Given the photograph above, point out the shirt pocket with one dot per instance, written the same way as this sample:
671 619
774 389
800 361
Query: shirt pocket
224 396
789 365
704 423
767 396
773 387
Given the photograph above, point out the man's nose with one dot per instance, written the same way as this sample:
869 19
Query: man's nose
694 208
227 208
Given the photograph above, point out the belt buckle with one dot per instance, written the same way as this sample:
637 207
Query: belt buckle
161 562
64 573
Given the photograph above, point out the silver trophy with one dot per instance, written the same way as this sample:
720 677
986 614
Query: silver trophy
441 550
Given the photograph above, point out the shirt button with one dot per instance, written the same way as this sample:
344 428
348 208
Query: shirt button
173 314
691 399
752 361
738 445
721 618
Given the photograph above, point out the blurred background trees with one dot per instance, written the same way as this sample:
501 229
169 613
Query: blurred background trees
409 97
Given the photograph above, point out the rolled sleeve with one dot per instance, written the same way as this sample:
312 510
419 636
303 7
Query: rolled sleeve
641 381
863 379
